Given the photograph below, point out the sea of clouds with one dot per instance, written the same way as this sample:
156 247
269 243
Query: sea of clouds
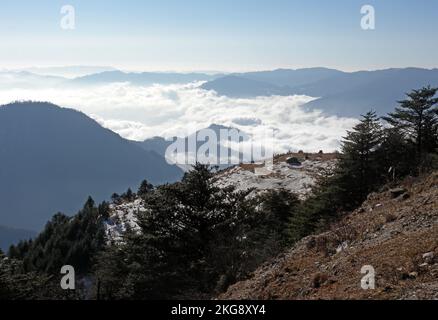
137 113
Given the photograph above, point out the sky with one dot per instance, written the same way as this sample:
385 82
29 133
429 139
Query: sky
226 35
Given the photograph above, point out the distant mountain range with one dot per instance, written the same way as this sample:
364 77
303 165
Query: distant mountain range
241 87
49 78
281 82
10 236
28 80
347 94
69 71
144 78
52 159
339 93
292 78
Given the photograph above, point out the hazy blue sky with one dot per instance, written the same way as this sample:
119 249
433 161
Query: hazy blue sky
219 34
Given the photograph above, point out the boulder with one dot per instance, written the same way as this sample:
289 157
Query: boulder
429 257
294 162
397 192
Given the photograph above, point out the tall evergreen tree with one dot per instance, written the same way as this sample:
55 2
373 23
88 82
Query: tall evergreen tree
417 119
358 169
278 207
145 189
128 195
396 156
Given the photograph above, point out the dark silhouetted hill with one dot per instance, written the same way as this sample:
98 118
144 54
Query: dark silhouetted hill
52 159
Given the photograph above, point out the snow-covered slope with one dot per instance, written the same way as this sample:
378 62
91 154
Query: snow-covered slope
123 217
295 178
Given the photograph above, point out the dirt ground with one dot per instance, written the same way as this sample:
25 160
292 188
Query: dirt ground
395 232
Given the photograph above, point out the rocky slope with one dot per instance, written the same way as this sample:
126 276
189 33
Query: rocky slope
122 217
298 178
395 232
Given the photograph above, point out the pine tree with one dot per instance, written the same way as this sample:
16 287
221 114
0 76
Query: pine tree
358 170
396 156
128 195
145 189
278 207
89 204
115 198
417 119
104 210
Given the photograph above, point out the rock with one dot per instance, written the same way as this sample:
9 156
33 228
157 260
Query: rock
342 247
388 289
397 192
403 197
404 276
319 280
428 257
372 196
413 275
379 205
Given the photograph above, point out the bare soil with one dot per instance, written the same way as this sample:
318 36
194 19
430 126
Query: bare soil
395 232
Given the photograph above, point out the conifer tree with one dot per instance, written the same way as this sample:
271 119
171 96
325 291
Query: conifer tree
417 119
396 156
129 195
145 188
115 198
358 169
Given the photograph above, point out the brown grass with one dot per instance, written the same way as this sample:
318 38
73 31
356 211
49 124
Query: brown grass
389 234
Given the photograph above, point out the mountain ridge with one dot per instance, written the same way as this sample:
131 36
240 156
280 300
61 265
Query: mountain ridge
57 157
340 93
141 78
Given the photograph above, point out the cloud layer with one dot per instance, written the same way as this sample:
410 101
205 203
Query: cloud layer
138 113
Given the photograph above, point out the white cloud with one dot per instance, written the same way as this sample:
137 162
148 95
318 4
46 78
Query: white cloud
137 113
